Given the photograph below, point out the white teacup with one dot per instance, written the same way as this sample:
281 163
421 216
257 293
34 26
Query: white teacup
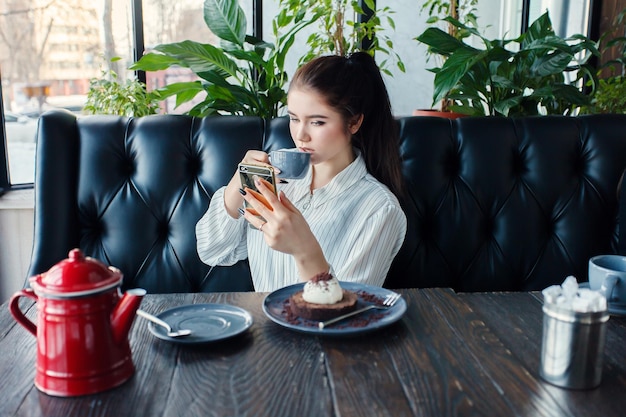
292 163
607 274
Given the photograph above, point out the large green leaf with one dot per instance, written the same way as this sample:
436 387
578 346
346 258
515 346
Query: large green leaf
565 92
497 53
440 42
468 29
199 57
548 43
217 77
216 92
259 44
186 95
455 67
177 88
504 106
226 20
586 45
552 63
539 29
499 81
249 56
154 62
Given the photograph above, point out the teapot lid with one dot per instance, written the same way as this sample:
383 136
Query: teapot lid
76 276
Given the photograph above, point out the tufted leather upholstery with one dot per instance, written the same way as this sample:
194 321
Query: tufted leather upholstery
492 203
130 191
508 204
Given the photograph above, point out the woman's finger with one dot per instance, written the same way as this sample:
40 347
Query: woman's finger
267 190
254 157
258 197
260 206
286 202
252 218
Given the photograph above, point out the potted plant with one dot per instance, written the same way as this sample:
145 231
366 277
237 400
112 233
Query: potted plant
347 26
244 75
527 79
107 95
437 10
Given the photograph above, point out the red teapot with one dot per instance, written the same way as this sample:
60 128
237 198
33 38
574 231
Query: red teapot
82 326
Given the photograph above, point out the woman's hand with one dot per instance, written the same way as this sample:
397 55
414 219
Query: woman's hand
285 229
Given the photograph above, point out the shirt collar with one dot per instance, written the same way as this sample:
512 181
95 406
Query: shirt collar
346 178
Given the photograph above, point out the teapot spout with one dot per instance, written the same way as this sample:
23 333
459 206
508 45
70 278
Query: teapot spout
124 313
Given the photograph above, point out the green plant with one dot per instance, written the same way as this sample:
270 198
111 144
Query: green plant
610 94
609 97
107 95
462 10
244 75
347 26
528 79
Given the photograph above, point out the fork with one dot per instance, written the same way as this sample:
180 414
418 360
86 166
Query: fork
389 302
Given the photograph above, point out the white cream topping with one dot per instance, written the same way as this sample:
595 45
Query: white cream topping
322 292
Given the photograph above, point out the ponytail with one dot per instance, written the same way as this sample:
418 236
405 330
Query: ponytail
353 86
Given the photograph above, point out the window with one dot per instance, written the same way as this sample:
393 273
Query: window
49 50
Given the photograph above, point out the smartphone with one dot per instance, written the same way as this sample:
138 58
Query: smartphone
247 174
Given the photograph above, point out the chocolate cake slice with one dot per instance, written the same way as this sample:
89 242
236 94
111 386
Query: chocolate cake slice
322 312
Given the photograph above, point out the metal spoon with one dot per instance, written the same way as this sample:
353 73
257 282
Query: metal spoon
156 320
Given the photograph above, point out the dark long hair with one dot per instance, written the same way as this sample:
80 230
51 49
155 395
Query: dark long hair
353 86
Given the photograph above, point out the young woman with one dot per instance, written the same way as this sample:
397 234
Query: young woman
343 216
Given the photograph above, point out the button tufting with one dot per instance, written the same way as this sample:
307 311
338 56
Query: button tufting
194 165
129 167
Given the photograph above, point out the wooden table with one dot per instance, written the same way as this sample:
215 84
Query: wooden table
451 354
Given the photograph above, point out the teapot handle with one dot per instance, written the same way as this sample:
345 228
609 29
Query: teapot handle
17 313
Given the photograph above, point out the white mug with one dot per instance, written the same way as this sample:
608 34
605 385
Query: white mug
607 274
292 163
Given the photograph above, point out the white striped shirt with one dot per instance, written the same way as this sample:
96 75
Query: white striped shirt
356 219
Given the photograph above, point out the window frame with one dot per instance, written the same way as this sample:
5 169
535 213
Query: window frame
257 18
4 161
138 48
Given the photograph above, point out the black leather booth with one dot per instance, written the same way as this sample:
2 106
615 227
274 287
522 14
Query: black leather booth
492 203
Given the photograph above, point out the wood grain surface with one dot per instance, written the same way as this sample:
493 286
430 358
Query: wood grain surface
468 354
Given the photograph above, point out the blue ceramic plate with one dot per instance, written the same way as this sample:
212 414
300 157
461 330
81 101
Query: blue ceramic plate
615 309
208 322
275 307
